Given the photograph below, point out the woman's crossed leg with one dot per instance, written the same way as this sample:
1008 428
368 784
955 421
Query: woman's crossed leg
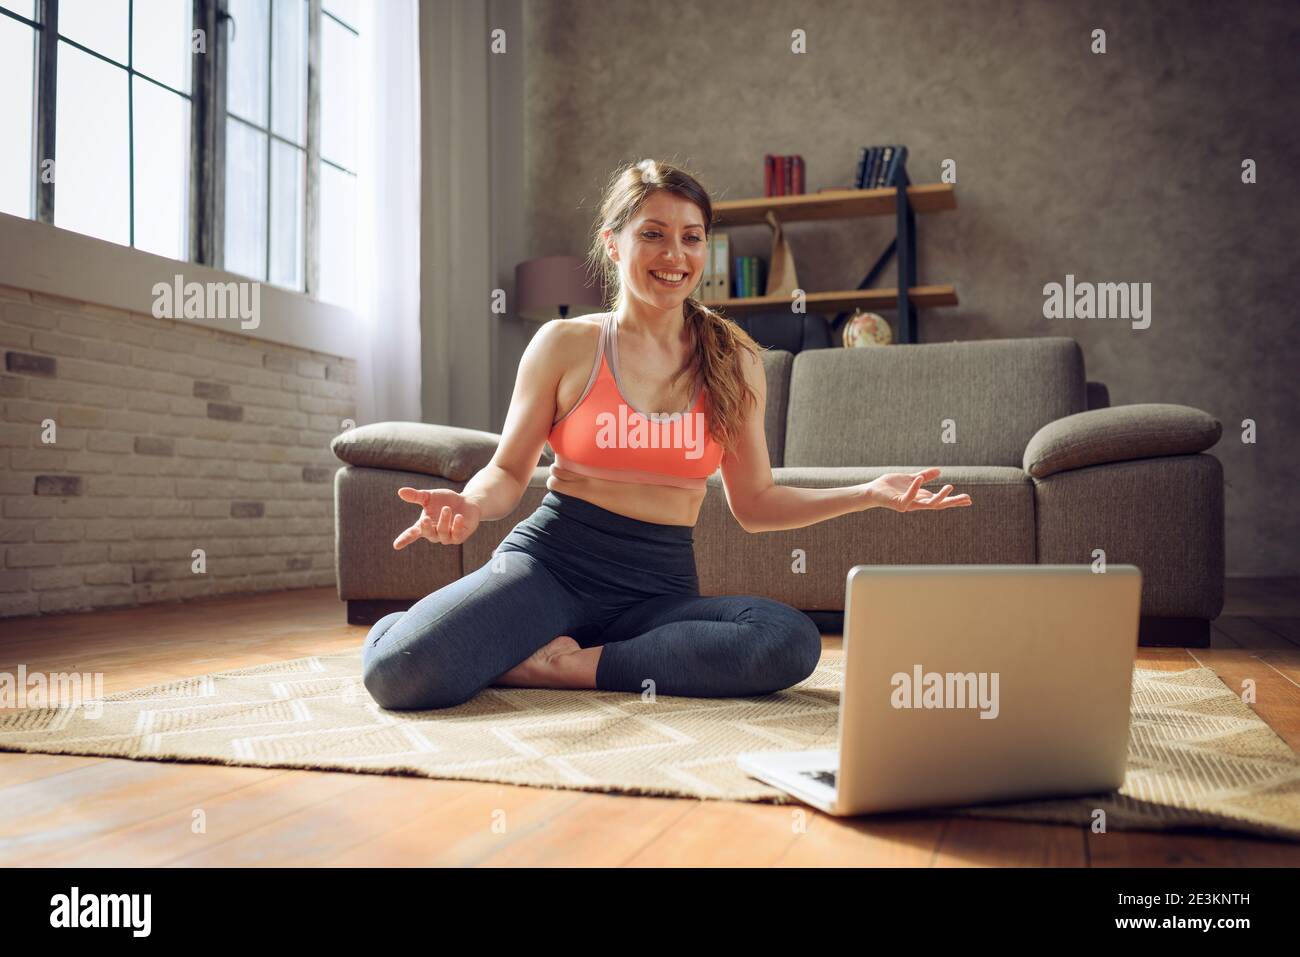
454 642
708 647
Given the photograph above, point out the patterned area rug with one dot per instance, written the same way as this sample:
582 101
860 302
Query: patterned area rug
1198 757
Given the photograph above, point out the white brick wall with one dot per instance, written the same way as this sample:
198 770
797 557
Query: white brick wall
169 437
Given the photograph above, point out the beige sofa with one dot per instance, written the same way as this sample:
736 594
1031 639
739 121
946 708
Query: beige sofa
1054 472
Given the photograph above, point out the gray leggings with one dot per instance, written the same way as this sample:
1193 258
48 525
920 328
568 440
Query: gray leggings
573 568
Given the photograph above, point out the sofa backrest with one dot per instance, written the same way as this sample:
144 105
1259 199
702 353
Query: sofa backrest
776 366
890 405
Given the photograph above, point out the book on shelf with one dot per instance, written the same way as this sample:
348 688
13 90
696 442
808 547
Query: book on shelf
896 162
751 273
716 278
878 165
783 175
719 260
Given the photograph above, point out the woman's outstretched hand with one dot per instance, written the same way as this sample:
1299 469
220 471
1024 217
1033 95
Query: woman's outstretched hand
447 517
902 492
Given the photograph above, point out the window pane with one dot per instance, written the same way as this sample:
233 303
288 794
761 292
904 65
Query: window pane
161 44
91 176
162 170
245 200
246 70
99 25
287 165
16 80
24 8
338 91
345 10
289 70
338 247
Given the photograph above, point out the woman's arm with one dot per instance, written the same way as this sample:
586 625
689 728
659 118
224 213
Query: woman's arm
760 505
498 487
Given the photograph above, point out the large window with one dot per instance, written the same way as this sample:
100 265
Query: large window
195 129
17 128
338 151
266 140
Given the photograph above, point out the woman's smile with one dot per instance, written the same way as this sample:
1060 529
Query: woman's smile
672 278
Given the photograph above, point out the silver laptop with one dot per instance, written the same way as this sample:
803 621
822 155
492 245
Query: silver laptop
972 683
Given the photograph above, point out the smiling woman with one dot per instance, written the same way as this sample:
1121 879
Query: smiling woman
598 587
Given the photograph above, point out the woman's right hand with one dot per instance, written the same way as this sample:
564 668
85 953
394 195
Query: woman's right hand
447 517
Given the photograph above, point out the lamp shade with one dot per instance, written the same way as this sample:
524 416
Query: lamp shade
554 287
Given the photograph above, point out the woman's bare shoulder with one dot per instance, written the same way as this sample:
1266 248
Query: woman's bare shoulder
566 341
564 334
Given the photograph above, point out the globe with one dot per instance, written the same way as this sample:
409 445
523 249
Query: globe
867 329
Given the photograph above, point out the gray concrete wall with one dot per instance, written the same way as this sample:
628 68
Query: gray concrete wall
1114 167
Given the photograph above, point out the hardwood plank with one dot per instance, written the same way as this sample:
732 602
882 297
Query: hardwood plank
879 840
465 829
271 613
722 834
1249 633
1187 849
984 842
598 829
310 834
1164 659
1285 625
170 834
1286 663
44 818
18 767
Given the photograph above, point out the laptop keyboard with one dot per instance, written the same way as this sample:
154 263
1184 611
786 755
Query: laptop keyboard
825 777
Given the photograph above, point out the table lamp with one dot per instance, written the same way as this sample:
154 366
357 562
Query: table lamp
555 287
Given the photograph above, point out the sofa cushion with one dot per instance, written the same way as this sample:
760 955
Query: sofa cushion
444 450
1117 434
863 406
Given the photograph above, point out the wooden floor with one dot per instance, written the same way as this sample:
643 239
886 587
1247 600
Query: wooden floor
57 810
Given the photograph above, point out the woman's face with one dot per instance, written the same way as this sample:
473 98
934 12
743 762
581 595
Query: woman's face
665 238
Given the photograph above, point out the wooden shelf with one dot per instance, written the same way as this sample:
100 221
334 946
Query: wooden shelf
833 204
842 301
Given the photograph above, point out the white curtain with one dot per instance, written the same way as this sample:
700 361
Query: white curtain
388 217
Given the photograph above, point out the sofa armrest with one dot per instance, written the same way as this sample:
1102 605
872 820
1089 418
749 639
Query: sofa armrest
447 451
1117 434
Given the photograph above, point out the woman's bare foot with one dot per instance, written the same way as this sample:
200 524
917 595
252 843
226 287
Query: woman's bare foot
560 663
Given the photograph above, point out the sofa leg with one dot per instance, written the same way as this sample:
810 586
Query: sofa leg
1155 631
367 611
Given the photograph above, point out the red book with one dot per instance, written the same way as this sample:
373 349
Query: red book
769 162
798 175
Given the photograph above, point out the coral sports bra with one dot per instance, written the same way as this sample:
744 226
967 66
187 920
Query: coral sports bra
605 436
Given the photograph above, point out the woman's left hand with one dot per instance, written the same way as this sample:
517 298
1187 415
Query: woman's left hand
902 492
